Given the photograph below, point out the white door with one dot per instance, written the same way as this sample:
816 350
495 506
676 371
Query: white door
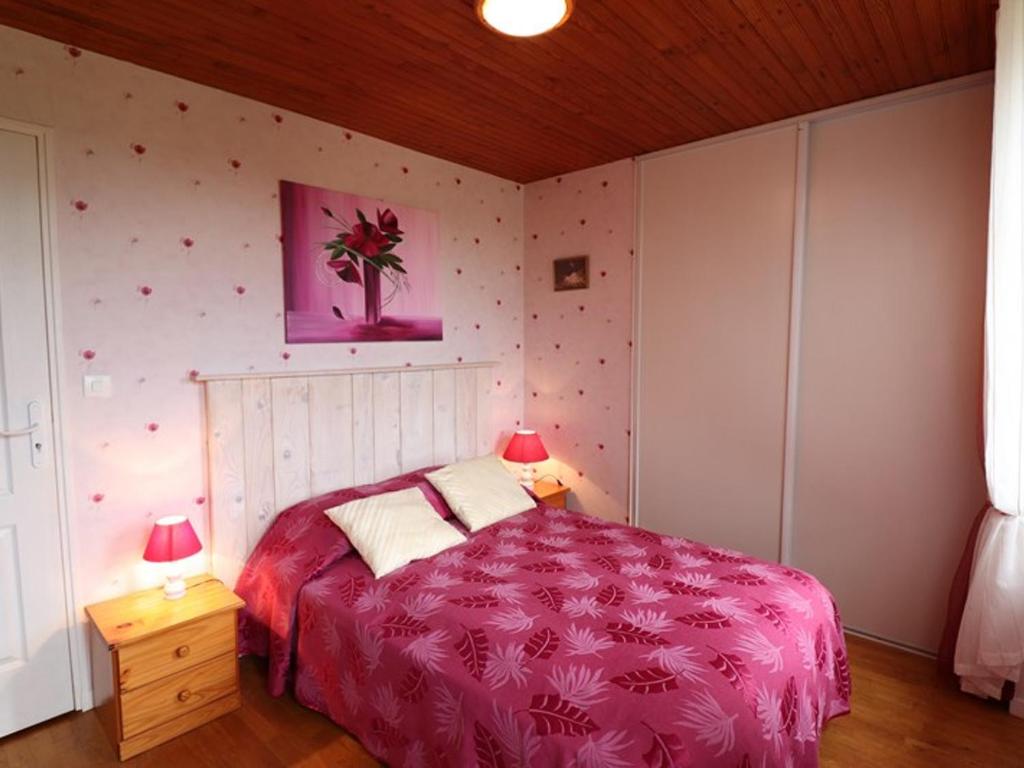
35 661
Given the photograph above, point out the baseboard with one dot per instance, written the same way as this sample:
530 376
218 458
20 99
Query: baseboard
891 643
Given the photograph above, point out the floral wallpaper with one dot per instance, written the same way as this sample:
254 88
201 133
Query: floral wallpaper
579 343
170 264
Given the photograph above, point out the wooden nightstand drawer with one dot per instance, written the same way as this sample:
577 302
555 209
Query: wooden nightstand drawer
176 650
172 697
129 748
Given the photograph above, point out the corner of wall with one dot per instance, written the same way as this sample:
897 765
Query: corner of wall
578 343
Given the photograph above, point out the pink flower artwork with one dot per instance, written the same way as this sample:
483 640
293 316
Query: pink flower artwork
358 268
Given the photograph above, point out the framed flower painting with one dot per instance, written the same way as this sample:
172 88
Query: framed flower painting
357 268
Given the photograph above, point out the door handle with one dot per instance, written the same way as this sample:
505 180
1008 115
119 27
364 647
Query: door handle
19 432
34 420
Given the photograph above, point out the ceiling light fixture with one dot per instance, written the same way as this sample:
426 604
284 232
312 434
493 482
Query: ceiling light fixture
523 18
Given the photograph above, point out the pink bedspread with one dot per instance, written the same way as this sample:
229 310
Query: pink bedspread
550 639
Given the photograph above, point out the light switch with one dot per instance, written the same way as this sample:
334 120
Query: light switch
97 386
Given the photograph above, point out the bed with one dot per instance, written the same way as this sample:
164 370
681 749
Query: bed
547 639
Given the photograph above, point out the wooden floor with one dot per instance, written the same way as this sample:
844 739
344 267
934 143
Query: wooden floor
904 716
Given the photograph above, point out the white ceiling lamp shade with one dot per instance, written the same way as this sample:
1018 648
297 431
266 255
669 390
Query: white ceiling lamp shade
523 18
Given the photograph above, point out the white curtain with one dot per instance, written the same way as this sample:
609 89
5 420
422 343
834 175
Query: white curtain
990 648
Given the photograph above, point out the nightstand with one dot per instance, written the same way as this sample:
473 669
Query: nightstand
163 667
552 494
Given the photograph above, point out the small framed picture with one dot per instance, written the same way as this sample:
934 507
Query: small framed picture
572 273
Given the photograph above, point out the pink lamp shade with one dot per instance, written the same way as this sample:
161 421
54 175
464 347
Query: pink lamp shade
173 538
525 447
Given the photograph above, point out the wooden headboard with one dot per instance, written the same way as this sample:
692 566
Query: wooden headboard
277 439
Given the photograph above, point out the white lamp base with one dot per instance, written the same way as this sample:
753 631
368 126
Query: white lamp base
174 588
526 476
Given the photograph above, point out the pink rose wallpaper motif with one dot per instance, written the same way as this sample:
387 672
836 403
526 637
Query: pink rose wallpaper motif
358 269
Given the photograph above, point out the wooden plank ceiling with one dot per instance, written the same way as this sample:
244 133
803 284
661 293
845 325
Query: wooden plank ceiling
621 78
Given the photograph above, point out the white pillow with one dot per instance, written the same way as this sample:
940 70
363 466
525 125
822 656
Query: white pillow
481 491
390 530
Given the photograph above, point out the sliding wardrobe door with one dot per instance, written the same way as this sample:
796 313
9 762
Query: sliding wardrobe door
889 473
716 251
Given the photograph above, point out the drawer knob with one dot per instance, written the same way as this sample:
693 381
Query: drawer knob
181 651
184 696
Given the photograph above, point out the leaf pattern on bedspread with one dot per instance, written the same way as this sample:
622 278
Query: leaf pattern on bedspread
402 625
488 750
476 601
546 640
481 577
478 551
772 613
624 632
352 590
543 644
611 596
545 566
414 686
554 715
650 680
667 751
693 590
403 582
474 648
550 597
705 620
732 667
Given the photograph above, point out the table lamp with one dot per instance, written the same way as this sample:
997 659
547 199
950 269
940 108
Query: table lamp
524 448
172 540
